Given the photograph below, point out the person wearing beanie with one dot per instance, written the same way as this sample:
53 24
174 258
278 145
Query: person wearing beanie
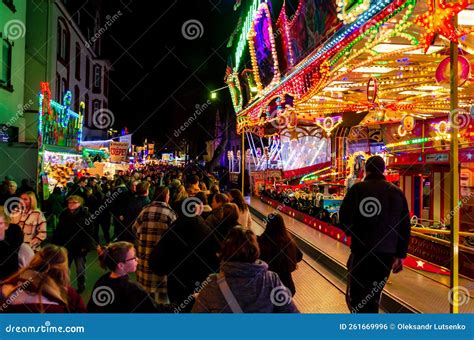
375 215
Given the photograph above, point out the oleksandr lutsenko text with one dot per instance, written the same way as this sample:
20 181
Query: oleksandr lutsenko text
431 326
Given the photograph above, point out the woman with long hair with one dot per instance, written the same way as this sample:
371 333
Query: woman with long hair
279 250
245 219
128 296
42 287
31 220
230 219
244 283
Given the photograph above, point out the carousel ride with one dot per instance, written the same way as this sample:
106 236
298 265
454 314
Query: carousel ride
372 78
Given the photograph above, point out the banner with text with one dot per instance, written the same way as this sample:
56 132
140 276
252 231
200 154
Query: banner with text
118 152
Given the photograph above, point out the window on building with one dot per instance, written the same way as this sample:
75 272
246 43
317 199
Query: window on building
63 42
106 82
76 98
88 73
78 62
86 110
6 64
97 78
64 88
95 106
58 86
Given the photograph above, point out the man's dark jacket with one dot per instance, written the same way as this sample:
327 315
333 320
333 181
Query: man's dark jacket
375 214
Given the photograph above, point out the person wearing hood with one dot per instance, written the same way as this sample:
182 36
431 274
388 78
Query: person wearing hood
74 232
244 283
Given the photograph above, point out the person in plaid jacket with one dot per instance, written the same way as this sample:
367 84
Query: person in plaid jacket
153 221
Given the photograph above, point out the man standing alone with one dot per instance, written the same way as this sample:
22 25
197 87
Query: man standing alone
375 214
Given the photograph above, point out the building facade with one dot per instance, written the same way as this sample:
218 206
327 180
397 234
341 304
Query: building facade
48 41
12 71
63 47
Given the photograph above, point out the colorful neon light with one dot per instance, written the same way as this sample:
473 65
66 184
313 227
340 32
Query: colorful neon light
295 82
349 10
438 20
248 22
58 125
328 124
263 13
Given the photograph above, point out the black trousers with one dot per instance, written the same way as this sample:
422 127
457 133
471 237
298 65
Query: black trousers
104 222
368 274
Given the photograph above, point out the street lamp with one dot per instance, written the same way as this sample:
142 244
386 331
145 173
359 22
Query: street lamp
214 92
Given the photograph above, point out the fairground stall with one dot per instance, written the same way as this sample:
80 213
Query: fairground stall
106 157
59 137
323 85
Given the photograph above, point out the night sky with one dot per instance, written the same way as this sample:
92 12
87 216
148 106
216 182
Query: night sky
158 75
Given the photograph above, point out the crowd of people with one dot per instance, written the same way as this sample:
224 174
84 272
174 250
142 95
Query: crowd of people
190 245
